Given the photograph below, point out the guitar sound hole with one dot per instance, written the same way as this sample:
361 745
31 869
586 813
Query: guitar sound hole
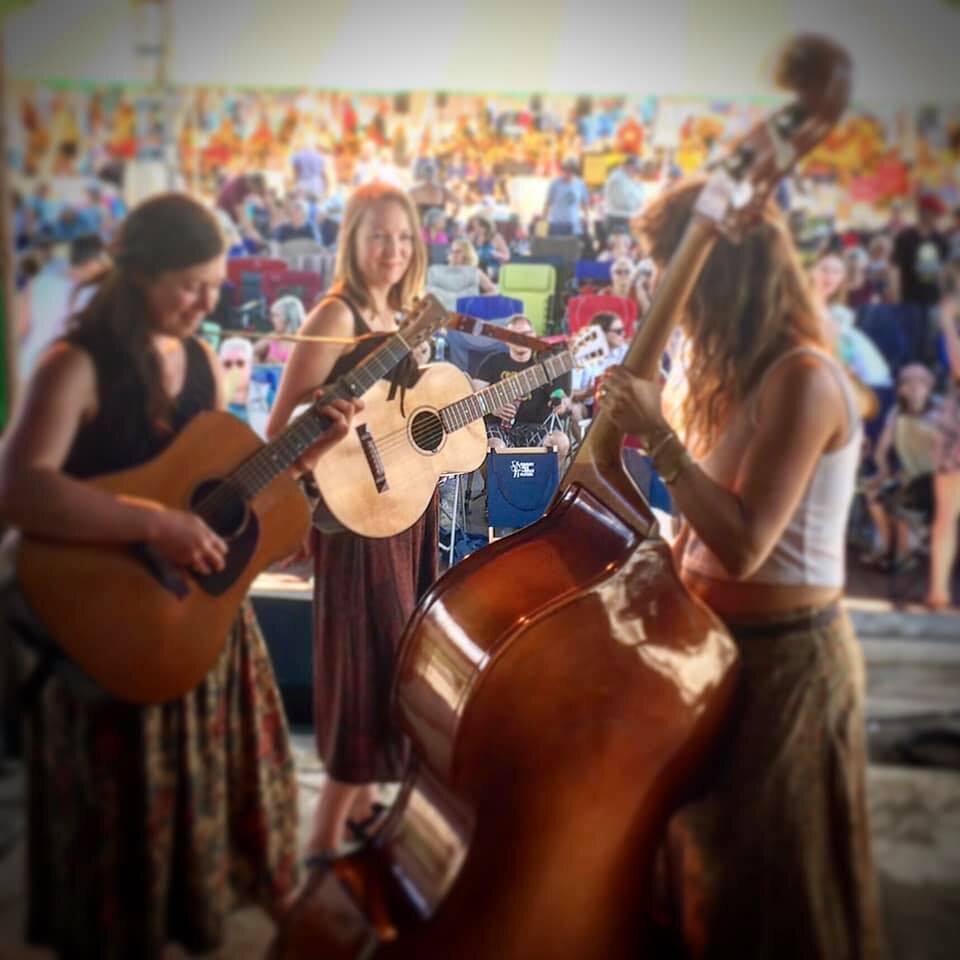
426 430
220 507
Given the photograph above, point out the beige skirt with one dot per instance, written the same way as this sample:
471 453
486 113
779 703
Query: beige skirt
774 860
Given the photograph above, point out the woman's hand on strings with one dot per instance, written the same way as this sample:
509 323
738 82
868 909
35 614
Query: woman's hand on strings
185 540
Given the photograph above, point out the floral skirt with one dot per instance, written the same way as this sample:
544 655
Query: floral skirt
150 824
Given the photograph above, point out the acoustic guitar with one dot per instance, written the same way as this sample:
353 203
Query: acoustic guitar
148 631
379 479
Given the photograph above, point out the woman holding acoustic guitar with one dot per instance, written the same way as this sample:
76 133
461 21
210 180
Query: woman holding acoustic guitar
364 589
775 860
146 824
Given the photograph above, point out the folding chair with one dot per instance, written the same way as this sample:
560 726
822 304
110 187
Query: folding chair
595 272
521 482
450 284
467 351
533 283
581 311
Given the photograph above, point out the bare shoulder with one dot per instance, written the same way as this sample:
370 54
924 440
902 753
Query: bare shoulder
65 369
331 316
806 386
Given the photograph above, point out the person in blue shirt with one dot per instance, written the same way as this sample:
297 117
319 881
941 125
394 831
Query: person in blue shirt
567 205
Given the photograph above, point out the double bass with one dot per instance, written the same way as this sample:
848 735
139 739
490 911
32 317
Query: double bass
562 691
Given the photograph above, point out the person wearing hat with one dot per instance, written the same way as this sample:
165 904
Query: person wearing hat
567 206
911 431
622 196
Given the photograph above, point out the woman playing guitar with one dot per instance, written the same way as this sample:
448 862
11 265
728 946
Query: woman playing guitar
775 862
145 824
364 589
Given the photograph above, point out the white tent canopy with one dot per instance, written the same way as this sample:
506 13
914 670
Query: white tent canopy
905 53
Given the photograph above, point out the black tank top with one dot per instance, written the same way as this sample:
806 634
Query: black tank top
120 435
405 374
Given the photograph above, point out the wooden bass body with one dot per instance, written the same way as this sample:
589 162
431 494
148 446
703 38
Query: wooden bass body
560 689
145 630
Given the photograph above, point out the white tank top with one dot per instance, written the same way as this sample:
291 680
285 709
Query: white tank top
811 550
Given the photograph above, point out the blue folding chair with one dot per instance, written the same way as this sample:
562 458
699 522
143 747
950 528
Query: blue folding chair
592 271
521 482
467 351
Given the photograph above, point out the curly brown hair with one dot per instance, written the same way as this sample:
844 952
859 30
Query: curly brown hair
750 304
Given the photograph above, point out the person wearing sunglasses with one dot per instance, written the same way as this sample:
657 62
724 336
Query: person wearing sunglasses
236 359
585 377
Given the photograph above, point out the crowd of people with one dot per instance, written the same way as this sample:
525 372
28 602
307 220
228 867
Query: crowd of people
115 371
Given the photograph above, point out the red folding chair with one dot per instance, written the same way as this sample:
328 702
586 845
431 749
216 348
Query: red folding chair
263 266
581 310
305 284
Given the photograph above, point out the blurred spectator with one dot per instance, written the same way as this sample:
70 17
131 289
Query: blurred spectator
463 254
622 196
584 377
881 279
434 226
567 207
309 165
233 197
911 432
430 193
491 248
631 282
295 225
62 287
856 351
286 316
236 359
946 483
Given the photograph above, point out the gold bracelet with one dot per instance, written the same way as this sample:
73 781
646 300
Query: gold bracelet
672 469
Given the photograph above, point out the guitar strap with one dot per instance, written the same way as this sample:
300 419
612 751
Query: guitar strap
482 328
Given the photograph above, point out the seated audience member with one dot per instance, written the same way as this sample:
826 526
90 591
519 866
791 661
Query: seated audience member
430 193
286 316
492 249
859 355
619 246
296 225
463 254
584 378
434 227
525 422
911 431
236 359
946 482
632 282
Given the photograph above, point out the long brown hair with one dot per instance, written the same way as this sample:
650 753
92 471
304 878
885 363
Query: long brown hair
750 304
347 273
168 232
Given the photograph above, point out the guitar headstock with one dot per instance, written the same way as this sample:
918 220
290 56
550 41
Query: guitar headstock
423 320
587 345
818 71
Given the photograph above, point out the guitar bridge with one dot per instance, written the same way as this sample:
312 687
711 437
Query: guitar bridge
369 447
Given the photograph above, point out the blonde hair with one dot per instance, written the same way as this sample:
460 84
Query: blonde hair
750 304
469 250
347 275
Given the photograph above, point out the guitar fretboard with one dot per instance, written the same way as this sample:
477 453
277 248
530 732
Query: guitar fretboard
492 398
264 466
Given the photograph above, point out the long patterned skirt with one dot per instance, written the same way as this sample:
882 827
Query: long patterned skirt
364 592
150 824
775 861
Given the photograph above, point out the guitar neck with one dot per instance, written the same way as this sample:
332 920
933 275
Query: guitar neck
258 471
490 399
